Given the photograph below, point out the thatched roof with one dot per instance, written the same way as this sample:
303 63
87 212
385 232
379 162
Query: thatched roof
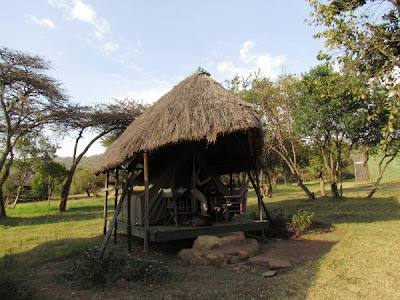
196 109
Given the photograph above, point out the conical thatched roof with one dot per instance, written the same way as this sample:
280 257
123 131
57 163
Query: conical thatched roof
198 108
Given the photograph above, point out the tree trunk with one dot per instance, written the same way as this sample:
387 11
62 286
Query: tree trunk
322 184
67 187
87 192
16 198
300 183
2 207
334 190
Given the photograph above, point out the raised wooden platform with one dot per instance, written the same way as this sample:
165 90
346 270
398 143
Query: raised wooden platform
171 232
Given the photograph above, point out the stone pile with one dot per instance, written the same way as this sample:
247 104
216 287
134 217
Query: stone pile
233 248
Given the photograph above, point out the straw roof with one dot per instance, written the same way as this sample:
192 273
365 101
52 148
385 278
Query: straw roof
196 109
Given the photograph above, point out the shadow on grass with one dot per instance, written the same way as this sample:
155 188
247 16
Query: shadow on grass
349 209
41 269
81 213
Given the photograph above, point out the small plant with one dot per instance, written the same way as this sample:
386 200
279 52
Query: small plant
92 271
300 222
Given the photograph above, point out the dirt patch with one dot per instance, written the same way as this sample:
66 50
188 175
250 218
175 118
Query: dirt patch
191 278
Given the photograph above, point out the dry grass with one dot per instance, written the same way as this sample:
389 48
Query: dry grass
359 241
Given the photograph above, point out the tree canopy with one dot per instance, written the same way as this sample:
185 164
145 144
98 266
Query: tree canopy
29 100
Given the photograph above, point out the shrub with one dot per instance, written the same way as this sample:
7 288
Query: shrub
14 288
91 271
300 222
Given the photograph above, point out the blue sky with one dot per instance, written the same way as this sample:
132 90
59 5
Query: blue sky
102 50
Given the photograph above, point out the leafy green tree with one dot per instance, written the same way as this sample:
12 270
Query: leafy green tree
275 102
85 181
29 101
364 35
49 175
331 113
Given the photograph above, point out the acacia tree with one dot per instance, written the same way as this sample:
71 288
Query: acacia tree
98 121
29 100
30 151
275 102
332 113
365 35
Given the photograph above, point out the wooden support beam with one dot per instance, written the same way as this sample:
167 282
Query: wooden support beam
146 202
128 222
259 193
116 202
113 223
106 203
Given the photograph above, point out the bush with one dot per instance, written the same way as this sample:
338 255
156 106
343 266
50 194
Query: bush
14 288
289 225
300 222
91 271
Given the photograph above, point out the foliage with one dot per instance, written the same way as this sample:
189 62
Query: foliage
275 101
49 175
85 180
301 220
365 36
332 113
92 271
101 121
278 228
30 100
12 288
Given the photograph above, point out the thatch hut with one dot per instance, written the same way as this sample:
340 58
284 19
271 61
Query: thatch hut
197 121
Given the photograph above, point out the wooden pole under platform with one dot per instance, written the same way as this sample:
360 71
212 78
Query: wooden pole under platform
146 202
129 181
128 221
106 203
116 202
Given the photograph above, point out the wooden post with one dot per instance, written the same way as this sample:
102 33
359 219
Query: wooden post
259 197
128 221
106 203
193 183
116 202
146 202
114 219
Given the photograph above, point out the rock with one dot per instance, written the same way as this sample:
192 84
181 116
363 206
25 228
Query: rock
207 242
269 273
214 242
260 260
273 263
220 250
216 258
243 255
276 263
234 259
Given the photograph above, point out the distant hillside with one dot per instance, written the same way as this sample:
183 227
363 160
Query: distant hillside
87 161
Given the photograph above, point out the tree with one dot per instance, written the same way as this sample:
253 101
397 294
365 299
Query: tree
30 150
85 180
48 175
332 114
275 101
365 35
29 100
99 121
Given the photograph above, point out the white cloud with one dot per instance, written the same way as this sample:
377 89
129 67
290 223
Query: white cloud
85 13
78 10
251 61
109 48
42 22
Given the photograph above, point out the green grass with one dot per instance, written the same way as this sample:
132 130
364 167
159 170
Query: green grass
359 238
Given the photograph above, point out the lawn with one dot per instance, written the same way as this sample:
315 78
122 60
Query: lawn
354 241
